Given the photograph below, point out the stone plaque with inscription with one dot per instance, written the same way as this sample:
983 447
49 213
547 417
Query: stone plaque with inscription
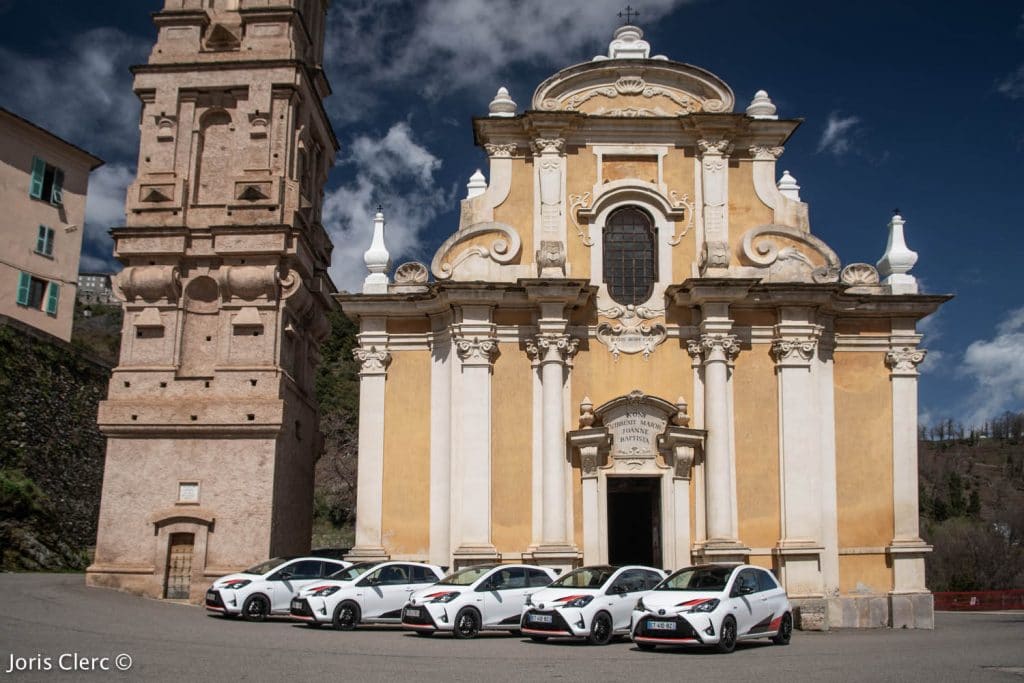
634 430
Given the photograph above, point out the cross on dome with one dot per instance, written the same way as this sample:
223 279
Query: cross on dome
627 14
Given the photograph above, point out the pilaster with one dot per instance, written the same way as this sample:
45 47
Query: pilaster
441 354
549 227
714 156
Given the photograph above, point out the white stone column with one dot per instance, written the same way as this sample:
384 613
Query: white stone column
684 445
473 420
910 602
592 445
798 552
699 491
440 442
370 477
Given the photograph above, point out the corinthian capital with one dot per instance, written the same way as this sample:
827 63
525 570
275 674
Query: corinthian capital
372 361
548 145
719 347
544 346
720 147
904 360
496 150
476 351
765 153
799 351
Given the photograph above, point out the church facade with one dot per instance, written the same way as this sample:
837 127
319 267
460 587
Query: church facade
633 349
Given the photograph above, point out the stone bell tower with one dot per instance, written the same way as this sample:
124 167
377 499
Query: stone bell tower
211 418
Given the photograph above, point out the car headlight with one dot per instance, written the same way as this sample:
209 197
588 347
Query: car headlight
235 584
324 591
706 606
581 601
640 606
446 597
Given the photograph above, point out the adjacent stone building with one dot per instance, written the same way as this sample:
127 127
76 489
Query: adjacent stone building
211 421
633 349
43 183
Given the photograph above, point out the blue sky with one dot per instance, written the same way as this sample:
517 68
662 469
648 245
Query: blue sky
911 104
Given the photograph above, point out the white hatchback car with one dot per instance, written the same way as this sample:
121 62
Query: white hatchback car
363 593
268 587
714 604
590 602
481 597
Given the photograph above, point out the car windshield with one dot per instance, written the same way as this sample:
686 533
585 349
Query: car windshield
697 579
467 576
585 577
353 572
264 567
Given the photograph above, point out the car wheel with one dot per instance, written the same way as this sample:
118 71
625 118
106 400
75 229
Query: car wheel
538 639
727 638
467 623
346 616
601 629
785 630
645 646
256 608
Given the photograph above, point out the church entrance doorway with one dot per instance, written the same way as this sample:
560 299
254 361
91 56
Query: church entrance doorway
634 521
179 566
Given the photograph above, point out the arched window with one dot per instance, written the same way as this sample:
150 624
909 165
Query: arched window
630 256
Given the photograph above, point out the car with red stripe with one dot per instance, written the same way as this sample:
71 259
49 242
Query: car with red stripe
713 605
593 602
267 588
475 598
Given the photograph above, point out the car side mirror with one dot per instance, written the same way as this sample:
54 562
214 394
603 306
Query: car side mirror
286 575
744 590
616 590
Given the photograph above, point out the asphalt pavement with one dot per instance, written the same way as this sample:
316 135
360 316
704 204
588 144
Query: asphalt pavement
58 629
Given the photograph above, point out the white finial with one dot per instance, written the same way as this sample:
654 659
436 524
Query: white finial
377 259
502 104
762 107
628 43
788 186
476 185
898 259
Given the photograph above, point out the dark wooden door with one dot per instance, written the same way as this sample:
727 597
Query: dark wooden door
179 566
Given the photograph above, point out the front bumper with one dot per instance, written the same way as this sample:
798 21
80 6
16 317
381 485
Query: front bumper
673 629
426 617
299 608
215 602
558 623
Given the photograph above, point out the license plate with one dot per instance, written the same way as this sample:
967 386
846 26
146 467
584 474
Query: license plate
211 595
412 611
661 625
540 618
296 604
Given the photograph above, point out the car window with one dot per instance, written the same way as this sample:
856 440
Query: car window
651 579
298 571
585 577
745 583
421 574
507 578
353 572
393 575
538 578
628 581
331 567
466 576
766 582
264 567
710 578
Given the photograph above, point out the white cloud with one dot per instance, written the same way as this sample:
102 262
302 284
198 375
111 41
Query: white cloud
398 172
997 368
81 90
435 47
104 209
1013 84
838 136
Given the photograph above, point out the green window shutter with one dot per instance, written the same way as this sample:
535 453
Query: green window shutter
41 240
57 193
49 242
35 189
53 299
24 281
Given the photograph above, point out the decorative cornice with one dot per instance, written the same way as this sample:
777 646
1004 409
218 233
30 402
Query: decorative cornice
904 361
476 351
373 362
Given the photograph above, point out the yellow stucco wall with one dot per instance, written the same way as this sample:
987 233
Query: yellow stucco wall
517 209
408 325
755 402
581 174
512 450
643 168
666 374
863 449
746 210
679 178
406 498
865 574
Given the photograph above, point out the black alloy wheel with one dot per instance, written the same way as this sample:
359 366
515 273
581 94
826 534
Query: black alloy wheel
727 640
785 630
601 629
467 623
256 608
346 616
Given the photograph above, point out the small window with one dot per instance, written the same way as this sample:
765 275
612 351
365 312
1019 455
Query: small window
630 256
36 293
766 582
44 241
47 182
